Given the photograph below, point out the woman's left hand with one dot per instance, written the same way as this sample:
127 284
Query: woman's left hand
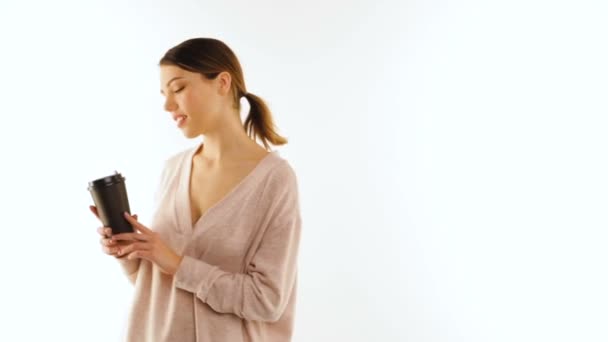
146 244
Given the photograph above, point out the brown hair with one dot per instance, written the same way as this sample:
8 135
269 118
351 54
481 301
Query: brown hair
209 57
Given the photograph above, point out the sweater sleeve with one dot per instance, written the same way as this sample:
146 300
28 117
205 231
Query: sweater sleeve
263 291
129 267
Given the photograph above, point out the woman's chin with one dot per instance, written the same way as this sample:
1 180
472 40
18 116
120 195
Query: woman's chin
190 133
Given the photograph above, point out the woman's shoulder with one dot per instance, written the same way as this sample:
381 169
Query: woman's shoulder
280 185
280 172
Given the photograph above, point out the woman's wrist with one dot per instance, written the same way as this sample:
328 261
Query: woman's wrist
178 261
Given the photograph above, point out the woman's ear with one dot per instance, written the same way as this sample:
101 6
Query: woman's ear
225 82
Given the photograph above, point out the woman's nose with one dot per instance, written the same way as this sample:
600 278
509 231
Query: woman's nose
169 104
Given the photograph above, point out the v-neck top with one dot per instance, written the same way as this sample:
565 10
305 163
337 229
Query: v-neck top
237 279
184 185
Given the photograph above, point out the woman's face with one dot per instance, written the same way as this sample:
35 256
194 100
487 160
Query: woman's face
194 102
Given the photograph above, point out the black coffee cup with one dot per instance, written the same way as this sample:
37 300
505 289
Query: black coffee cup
110 197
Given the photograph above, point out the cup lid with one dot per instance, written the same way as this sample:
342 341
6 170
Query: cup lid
108 180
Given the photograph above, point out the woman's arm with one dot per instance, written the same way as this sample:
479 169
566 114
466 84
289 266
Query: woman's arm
263 292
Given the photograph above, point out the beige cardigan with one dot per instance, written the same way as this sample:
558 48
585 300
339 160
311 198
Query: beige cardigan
237 280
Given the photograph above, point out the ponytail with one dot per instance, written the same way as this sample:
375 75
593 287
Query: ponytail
259 123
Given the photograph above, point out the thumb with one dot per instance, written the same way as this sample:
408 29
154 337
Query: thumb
94 210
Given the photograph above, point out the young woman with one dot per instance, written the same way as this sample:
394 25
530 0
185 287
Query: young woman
219 260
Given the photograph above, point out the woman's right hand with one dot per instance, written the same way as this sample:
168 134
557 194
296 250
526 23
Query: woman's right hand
109 247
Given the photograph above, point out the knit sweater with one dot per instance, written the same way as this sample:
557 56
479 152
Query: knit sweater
237 279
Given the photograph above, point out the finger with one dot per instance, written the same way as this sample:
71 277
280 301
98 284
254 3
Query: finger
110 250
94 210
122 243
141 254
130 237
136 246
105 242
111 243
137 225
105 231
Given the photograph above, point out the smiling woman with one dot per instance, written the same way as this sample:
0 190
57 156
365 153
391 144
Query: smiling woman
218 261
190 71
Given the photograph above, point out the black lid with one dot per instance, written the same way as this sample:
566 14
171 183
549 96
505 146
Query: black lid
108 180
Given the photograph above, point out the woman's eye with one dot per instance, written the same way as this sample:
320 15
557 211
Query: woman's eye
180 89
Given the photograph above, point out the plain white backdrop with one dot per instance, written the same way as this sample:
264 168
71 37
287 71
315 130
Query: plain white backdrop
451 158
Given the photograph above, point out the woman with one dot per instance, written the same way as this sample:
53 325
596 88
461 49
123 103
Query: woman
219 260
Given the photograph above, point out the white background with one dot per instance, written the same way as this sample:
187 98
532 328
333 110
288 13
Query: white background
451 158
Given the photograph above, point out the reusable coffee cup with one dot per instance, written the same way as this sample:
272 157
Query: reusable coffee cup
110 197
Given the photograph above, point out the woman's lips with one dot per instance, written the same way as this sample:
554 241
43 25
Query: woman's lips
180 120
